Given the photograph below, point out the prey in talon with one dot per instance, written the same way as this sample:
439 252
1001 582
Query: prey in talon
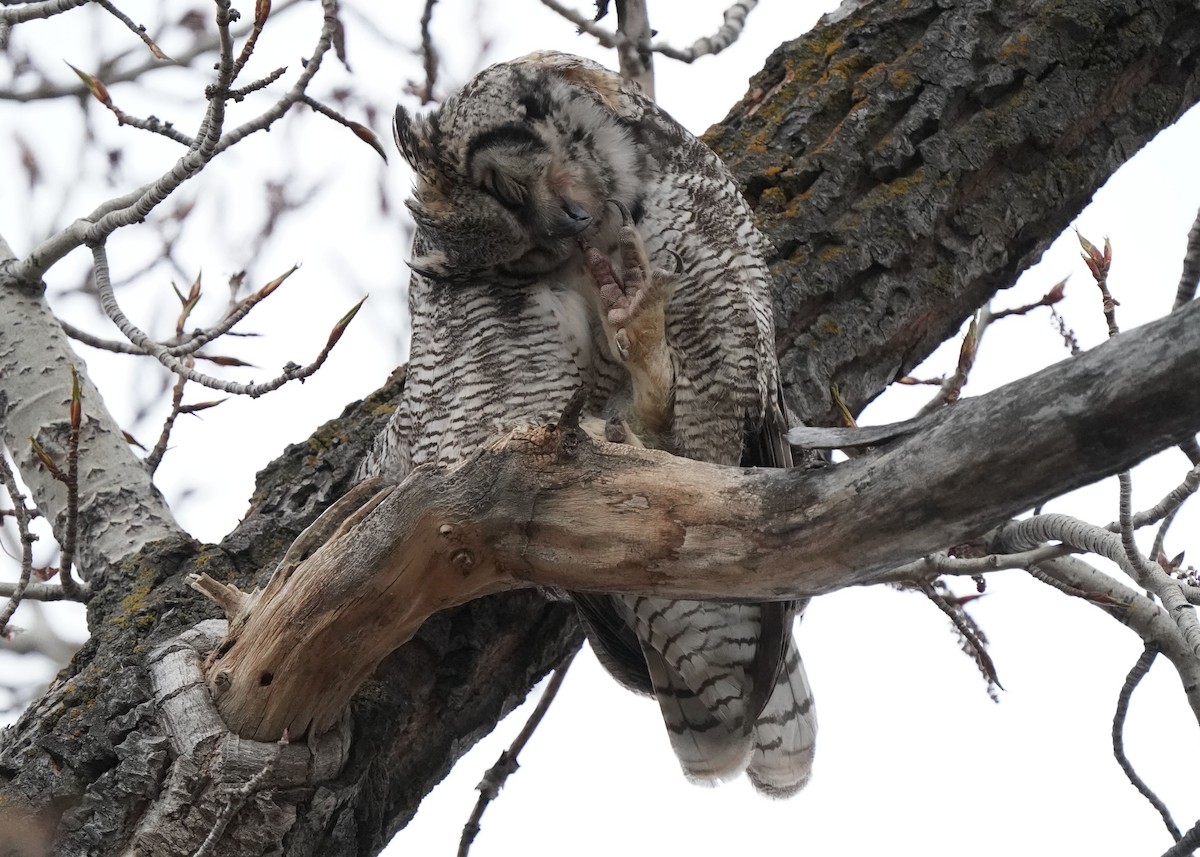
632 312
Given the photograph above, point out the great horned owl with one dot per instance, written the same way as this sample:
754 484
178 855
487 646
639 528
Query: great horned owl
533 165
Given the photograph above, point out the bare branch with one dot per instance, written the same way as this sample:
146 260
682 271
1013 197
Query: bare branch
361 131
237 800
1047 300
136 206
941 563
952 386
1185 847
116 346
36 11
735 22
1098 262
971 637
1167 505
27 538
429 55
586 25
198 49
1133 609
137 29
1136 674
489 787
33 592
262 83
1093 539
634 57
71 527
1190 278
183 367
164 437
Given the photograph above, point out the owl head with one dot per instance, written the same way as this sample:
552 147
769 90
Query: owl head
518 166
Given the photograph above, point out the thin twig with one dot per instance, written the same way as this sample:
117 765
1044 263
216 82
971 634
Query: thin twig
27 539
972 637
262 83
938 564
506 765
181 367
360 130
164 437
1048 300
952 386
71 528
116 346
137 29
152 124
262 9
604 37
1190 278
199 48
1160 538
731 29
238 799
1140 668
1167 505
34 591
1099 262
429 54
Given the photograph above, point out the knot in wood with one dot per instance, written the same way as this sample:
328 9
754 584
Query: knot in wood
568 443
446 529
221 682
463 559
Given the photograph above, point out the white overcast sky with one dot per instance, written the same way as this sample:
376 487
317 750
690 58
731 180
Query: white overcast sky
912 756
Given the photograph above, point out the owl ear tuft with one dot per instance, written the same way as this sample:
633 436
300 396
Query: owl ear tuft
412 139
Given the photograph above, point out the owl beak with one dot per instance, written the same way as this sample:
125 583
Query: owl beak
571 219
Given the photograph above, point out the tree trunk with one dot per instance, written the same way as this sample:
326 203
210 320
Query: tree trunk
907 161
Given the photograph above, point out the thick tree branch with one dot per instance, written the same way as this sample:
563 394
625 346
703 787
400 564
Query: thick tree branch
548 507
909 159
120 510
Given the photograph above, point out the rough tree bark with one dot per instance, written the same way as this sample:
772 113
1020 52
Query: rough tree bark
907 160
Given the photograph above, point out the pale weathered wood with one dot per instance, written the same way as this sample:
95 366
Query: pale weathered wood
549 506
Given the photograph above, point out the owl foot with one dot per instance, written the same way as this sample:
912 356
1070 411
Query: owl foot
633 313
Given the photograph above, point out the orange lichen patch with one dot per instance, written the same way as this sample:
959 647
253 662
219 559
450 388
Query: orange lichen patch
772 199
901 79
899 187
828 254
1016 47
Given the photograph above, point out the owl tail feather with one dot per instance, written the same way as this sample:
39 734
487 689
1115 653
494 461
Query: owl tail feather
709 749
785 734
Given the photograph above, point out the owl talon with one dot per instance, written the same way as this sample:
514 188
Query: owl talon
621 338
626 218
